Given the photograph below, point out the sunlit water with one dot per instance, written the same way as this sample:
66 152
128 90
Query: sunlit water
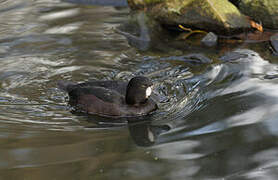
217 120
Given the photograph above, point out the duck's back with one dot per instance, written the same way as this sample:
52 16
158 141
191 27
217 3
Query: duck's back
118 86
96 100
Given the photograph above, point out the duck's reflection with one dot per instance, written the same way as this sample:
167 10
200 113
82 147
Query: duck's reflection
144 133
141 129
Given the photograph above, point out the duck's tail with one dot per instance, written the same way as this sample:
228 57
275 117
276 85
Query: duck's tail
65 85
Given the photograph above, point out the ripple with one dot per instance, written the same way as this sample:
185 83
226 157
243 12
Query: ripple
65 29
61 14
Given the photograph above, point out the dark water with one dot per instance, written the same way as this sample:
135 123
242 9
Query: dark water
217 120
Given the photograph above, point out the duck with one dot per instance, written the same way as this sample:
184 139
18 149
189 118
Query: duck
111 98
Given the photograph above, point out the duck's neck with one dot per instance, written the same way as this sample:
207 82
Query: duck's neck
133 101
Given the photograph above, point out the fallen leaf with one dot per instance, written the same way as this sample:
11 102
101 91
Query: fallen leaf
257 26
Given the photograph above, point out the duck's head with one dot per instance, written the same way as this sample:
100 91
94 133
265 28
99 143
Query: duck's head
138 90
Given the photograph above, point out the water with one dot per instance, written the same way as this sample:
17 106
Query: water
216 120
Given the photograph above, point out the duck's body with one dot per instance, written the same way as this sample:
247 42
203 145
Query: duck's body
111 98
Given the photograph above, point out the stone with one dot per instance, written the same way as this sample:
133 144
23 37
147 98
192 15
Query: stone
210 39
233 56
193 59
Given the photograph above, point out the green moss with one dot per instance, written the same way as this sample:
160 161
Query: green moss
175 6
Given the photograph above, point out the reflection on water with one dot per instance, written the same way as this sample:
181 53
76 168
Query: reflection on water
217 116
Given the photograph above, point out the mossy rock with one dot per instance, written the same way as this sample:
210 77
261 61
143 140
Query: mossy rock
218 16
265 11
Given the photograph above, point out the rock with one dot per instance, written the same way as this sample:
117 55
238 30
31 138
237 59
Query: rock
271 76
210 39
233 56
140 31
193 59
265 11
221 17
197 59
274 43
143 40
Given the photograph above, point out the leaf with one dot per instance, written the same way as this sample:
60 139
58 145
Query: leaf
257 26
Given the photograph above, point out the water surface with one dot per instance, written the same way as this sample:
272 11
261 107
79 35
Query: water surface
216 120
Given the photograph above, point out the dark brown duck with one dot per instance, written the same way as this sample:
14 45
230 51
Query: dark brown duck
111 98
